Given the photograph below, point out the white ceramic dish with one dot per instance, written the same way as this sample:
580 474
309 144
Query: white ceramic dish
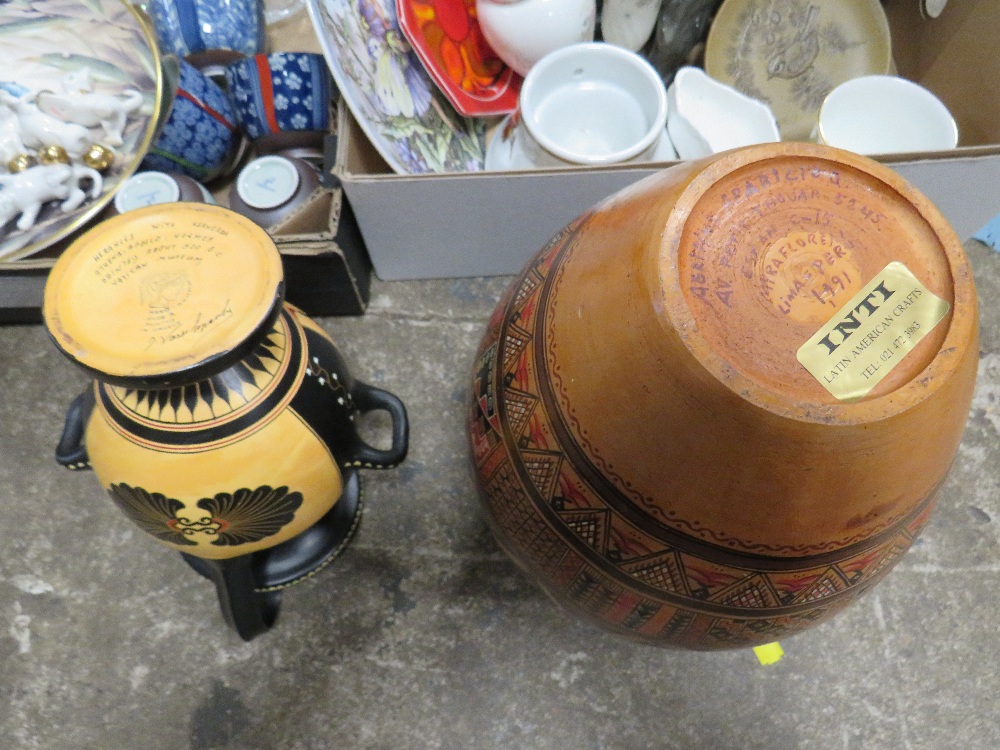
404 114
522 32
42 43
705 116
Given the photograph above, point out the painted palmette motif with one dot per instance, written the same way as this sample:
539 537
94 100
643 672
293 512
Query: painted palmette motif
221 419
226 519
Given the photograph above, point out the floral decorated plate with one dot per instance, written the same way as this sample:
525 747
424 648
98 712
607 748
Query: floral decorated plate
446 36
382 81
791 53
93 67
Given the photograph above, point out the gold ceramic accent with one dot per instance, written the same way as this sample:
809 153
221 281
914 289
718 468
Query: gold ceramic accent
53 155
20 163
871 334
792 53
99 157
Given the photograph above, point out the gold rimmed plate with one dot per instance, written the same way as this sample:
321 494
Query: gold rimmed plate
102 47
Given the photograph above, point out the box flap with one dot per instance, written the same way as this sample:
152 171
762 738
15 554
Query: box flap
955 56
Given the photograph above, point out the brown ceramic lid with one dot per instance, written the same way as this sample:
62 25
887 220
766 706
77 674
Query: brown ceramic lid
163 294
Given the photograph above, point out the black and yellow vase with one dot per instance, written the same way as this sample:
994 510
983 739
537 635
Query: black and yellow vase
221 419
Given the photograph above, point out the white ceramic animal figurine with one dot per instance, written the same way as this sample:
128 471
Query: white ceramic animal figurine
11 144
26 192
39 129
80 104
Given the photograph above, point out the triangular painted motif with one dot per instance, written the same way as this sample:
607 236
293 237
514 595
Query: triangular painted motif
543 468
662 571
591 526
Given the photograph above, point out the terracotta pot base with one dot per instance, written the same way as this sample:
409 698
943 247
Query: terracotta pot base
771 251
647 445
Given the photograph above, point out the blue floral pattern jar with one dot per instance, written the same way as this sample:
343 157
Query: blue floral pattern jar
283 92
186 27
200 137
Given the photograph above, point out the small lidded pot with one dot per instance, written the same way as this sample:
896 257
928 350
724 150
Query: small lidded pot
271 188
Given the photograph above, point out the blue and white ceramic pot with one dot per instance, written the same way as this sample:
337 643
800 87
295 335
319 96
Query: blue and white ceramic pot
282 99
190 27
200 137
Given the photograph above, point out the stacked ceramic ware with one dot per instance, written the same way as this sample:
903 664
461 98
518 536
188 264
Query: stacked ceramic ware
451 87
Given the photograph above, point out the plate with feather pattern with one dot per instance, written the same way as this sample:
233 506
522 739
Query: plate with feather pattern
791 53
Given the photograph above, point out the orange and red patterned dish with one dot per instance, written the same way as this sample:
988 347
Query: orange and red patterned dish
446 36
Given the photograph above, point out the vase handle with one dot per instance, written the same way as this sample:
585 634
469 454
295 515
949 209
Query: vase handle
369 398
71 452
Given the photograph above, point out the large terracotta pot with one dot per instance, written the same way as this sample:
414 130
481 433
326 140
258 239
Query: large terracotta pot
717 408
221 420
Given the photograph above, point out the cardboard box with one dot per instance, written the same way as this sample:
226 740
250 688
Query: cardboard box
327 269
481 224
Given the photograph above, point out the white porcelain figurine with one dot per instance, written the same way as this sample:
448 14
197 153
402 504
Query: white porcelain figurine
80 104
11 144
39 129
26 192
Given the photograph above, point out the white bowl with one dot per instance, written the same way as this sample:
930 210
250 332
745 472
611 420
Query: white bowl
882 114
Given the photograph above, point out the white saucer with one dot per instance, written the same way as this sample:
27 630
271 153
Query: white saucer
505 155
509 155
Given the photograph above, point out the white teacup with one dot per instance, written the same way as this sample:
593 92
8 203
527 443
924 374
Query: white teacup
586 104
705 116
883 114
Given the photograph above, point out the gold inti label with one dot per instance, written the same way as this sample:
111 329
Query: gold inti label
872 333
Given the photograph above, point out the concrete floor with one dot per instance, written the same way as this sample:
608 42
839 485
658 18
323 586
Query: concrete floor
423 634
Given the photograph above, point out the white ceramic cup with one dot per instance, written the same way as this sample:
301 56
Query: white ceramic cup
705 116
587 104
522 32
882 114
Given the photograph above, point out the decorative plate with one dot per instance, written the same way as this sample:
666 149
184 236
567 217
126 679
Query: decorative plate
792 53
382 81
65 47
446 36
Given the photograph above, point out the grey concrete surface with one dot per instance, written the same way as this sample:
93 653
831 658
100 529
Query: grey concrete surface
423 635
